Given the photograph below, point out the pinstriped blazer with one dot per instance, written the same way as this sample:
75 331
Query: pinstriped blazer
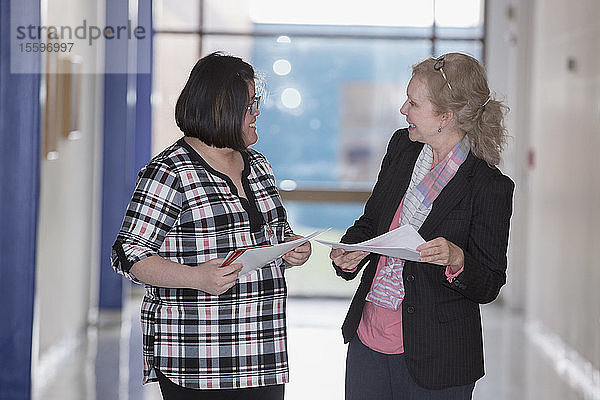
442 330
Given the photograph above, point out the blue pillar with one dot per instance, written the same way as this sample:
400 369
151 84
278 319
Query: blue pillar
143 114
127 132
19 197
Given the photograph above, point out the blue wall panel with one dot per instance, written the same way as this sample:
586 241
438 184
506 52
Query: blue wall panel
19 196
127 136
143 121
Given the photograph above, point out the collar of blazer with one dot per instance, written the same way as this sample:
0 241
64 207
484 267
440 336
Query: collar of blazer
450 196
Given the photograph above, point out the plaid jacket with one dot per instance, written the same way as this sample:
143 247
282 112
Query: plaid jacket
185 211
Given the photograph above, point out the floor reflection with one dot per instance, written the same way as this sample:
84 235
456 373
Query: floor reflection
107 363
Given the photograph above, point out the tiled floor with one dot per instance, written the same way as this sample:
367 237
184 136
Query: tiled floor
107 364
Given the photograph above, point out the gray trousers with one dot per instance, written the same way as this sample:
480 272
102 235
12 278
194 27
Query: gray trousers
371 375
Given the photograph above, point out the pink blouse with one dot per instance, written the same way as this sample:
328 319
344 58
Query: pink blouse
380 328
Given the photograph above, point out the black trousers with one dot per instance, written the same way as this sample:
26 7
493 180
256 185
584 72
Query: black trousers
171 391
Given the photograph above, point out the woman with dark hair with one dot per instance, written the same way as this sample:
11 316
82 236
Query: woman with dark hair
414 328
208 333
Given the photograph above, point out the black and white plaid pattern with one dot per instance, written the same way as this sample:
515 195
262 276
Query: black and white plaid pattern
184 211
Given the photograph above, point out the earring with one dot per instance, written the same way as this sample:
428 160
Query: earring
440 129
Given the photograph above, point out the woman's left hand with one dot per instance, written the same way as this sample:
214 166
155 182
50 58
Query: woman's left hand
299 255
441 252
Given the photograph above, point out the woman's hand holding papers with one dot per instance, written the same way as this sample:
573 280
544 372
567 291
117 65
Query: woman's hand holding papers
299 255
347 260
214 279
210 277
442 252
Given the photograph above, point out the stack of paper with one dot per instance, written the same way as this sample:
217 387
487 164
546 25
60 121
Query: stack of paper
253 258
399 243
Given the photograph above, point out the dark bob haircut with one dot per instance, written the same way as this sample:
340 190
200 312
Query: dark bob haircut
212 105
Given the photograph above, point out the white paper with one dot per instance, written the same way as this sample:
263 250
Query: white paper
399 243
253 258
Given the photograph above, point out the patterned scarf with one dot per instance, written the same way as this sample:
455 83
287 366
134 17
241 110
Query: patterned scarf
425 186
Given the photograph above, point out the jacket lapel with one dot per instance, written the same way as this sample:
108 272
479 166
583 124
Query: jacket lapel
449 197
403 167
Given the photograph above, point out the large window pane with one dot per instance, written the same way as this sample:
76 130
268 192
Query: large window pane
330 117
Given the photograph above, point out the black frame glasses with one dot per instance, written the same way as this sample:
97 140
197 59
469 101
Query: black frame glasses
439 66
253 107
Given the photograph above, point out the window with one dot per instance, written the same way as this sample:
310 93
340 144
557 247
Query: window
335 76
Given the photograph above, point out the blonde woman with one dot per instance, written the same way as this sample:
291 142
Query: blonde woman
414 328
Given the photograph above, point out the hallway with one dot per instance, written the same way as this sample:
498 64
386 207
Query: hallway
517 366
68 168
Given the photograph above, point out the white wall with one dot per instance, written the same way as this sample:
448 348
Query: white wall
506 59
546 55
509 58
69 214
564 218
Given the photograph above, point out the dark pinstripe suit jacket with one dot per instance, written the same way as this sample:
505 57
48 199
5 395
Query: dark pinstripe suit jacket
441 320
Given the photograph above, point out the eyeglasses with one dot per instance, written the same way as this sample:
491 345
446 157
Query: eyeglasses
253 107
439 66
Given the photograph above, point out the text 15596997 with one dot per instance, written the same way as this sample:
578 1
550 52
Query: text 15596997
40 47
